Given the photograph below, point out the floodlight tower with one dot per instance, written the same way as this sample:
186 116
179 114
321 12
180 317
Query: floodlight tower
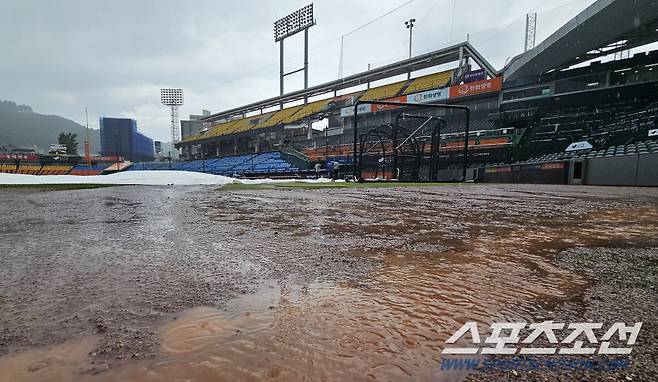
410 25
530 31
300 20
173 98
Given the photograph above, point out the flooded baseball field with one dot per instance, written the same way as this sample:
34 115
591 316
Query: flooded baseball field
196 284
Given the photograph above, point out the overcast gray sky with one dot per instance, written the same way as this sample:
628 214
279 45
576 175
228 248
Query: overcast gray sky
114 56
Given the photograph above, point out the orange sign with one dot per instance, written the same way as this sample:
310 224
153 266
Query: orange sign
376 108
477 87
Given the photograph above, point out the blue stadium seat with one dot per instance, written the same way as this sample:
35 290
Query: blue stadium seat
263 163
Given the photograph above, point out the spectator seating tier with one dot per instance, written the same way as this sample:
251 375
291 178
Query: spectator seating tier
431 81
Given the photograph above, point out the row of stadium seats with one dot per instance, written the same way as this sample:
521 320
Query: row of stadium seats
245 124
432 81
34 169
637 148
319 153
459 143
83 169
383 92
487 138
222 166
150 166
596 124
306 110
279 117
28 169
8 168
54 170
263 163
298 113
270 163
221 129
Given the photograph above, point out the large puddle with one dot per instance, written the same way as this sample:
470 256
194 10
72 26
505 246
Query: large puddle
391 327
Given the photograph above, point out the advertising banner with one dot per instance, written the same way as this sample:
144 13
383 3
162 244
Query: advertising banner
477 87
475 75
429 96
349 111
376 108
28 157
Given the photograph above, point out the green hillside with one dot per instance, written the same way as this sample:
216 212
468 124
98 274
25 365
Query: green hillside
23 128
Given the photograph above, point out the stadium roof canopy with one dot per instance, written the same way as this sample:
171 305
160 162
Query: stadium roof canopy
435 58
603 28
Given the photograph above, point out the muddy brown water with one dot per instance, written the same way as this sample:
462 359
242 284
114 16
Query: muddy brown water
191 284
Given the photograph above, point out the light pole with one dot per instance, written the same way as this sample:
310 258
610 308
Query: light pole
173 98
410 25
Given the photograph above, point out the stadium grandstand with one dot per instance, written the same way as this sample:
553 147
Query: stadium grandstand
38 169
576 87
265 163
29 162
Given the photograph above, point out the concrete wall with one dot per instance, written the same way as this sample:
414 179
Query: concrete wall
611 171
647 170
541 173
629 170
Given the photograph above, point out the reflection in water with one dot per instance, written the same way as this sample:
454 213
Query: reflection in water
390 328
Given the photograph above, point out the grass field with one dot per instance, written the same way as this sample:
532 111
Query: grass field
328 185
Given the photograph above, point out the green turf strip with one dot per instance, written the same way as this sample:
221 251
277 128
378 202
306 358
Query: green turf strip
304 185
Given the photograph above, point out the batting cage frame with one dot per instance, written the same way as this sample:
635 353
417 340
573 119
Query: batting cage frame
391 132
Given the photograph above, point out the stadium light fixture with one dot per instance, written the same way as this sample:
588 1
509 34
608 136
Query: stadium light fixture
294 23
298 21
173 98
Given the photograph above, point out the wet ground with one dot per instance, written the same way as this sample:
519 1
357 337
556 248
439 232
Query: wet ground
190 283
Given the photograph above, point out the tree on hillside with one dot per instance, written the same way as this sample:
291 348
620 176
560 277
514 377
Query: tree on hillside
70 141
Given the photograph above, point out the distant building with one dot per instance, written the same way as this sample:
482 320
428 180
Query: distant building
193 126
16 150
120 137
166 150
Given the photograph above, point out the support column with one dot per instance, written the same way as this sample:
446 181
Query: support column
305 62
281 71
460 71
